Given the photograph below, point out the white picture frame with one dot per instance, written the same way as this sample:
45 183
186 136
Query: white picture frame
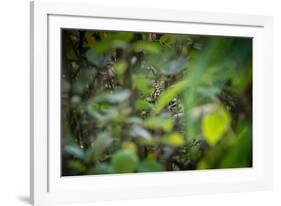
47 186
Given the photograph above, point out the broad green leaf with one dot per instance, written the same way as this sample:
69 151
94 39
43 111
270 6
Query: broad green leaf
175 140
142 84
174 67
215 124
147 47
169 94
150 166
142 104
113 97
120 67
165 124
100 144
75 150
124 161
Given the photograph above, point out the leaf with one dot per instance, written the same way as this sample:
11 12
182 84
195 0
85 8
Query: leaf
174 67
101 168
124 161
147 47
75 150
202 165
169 94
112 41
83 78
167 40
144 136
115 97
239 153
215 124
120 67
99 60
123 36
142 84
134 120
175 140
100 144
142 104
130 146
150 166
102 46
165 124
76 165
137 131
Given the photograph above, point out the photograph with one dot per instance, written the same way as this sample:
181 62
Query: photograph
136 102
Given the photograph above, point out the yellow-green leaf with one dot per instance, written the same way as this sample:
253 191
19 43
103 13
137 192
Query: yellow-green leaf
175 140
142 104
120 67
215 124
165 124
169 94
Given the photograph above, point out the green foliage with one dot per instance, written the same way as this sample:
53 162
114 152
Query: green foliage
215 124
168 40
169 94
147 47
98 60
174 140
124 161
174 67
150 166
166 124
113 97
141 84
151 102
101 143
74 150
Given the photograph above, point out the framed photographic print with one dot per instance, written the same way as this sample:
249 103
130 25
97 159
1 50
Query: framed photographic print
126 105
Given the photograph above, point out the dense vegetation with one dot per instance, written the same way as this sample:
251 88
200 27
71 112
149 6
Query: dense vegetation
146 102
